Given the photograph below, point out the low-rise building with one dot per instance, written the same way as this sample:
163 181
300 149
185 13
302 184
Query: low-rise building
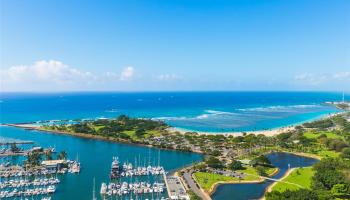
53 164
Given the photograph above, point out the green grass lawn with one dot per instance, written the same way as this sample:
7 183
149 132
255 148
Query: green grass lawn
251 170
301 176
207 180
328 153
132 135
314 135
155 133
269 171
97 128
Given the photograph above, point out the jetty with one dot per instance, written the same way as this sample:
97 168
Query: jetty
7 143
5 152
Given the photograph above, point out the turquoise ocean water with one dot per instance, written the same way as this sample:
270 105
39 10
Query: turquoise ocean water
198 111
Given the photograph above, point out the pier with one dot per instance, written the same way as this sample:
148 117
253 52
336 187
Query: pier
19 152
15 143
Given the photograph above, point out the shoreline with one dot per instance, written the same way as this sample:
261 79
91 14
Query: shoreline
269 132
287 173
307 155
269 188
90 136
118 140
219 183
266 132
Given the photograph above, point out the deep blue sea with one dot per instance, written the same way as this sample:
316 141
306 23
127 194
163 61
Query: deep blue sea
198 111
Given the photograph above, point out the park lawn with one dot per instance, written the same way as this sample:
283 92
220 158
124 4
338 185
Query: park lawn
270 171
207 180
301 176
147 135
252 170
155 133
328 153
249 170
131 134
313 135
97 128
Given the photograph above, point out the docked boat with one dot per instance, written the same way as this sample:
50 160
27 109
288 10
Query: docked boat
103 188
115 171
51 189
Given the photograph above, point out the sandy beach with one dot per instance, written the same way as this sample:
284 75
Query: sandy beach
271 132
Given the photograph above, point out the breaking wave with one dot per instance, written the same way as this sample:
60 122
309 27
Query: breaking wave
112 110
244 115
280 108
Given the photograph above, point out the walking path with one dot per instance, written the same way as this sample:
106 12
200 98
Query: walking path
193 186
279 180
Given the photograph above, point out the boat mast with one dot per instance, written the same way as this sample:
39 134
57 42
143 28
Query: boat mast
93 191
149 157
158 157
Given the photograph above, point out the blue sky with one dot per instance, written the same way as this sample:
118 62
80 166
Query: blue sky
175 45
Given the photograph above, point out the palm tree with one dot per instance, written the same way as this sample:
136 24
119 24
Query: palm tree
48 155
62 155
33 159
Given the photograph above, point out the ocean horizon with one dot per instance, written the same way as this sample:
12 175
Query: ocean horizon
221 111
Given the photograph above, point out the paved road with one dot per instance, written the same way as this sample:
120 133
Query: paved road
190 182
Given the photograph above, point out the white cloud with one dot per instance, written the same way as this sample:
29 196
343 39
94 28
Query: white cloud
311 79
44 71
168 77
318 79
342 76
53 75
127 74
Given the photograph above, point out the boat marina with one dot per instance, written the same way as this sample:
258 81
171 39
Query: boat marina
150 182
35 178
125 188
44 169
119 187
18 183
40 192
